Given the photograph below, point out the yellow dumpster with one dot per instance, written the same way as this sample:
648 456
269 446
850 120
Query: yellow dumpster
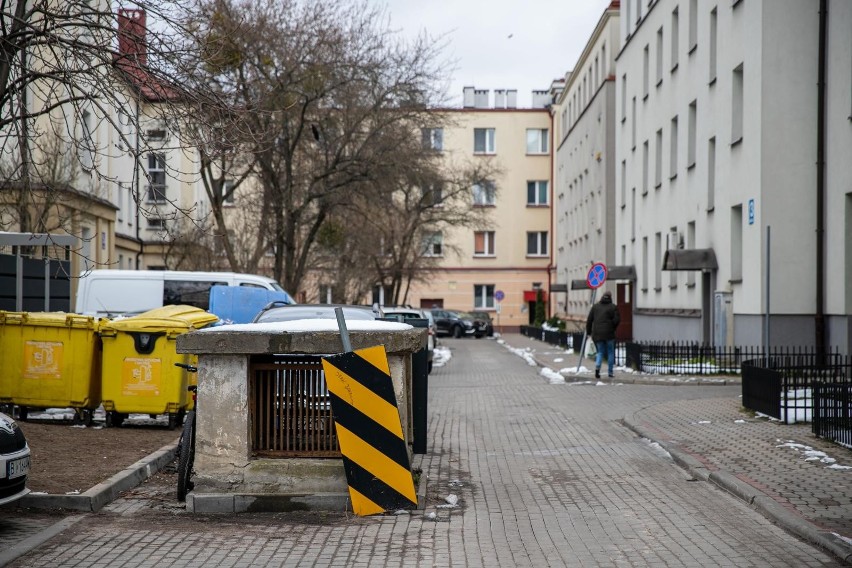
139 375
50 360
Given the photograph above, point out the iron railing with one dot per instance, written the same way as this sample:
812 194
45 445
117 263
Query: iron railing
573 340
833 412
802 387
290 408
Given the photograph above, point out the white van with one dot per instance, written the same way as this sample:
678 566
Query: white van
108 293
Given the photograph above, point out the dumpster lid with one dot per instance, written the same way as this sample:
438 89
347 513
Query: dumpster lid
49 319
168 318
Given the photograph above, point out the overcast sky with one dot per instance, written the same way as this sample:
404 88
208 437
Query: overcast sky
502 44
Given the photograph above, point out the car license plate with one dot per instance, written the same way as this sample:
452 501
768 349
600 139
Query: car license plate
18 467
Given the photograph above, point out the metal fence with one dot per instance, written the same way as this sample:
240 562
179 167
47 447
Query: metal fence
802 387
675 358
573 340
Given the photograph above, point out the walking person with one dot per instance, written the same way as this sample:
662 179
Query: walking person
600 326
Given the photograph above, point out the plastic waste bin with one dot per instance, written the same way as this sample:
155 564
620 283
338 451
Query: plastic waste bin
139 375
50 360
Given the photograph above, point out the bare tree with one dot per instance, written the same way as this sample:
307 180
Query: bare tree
70 70
325 93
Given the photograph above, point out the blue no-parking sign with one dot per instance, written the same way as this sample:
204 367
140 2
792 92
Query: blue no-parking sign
597 275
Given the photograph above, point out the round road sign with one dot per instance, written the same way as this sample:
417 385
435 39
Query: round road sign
597 275
499 295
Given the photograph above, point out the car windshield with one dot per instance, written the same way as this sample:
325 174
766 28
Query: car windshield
302 311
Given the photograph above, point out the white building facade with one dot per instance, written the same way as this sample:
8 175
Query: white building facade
584 175
718 110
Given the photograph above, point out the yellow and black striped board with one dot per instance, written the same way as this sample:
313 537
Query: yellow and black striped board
369 431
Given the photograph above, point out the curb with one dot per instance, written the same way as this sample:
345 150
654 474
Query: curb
28 544
764 504
104 493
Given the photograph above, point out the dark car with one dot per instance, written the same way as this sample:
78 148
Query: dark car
14 461
489 323
456 323
277 312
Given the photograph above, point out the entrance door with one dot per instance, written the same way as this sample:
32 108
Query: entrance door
624 303
428 304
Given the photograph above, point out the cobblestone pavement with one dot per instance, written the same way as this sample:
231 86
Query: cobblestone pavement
545 475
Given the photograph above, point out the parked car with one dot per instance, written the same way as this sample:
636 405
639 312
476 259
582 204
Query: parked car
489 323
407 312
14 461
456 323
278 311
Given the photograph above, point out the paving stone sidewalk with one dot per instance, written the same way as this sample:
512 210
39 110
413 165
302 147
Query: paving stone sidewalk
798 480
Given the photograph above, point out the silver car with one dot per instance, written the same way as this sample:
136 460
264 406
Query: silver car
393 311
14 461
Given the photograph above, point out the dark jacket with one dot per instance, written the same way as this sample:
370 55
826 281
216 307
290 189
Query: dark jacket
602 321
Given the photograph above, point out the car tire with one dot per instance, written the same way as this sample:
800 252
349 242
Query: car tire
457 331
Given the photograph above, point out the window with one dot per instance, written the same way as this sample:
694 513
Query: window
673 243
483 296
433 138
645 167
690 145
228 193
325 294
646 63
675 39
690 244
644 264
537 140
737 243
156 223
483 243
673 150
433 194
632 214
711 174
658 261
484 193
433 244
623 183
156 178
659 56
658 159
633 125
190 293
737 105
87 145
483 141
693 25
624 97
537 243
713 46
537 193
120 203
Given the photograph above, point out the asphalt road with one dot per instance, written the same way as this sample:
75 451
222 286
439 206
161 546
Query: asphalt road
545 475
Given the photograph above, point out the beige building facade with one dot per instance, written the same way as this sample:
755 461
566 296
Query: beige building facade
498 268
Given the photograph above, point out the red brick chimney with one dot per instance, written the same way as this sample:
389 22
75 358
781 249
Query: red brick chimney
132 44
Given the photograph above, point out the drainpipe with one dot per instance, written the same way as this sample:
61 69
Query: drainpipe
552 209
819 317
136 183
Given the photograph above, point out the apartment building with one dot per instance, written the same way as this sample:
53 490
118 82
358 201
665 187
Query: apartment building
732 195
121 189
501 267
584 178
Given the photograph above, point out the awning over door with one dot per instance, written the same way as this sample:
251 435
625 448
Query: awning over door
690 259
616 272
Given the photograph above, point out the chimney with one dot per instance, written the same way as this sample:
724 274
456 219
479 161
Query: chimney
468 97
541 99
512 98
499 98
132 43
480 98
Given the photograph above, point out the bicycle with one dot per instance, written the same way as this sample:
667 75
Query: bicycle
186 445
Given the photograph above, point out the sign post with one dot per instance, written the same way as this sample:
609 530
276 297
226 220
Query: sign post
595 279
498 296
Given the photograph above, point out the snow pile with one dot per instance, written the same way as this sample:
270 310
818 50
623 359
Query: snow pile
810 454
552 376
441 356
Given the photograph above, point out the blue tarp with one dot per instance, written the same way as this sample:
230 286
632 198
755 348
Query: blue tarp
239 304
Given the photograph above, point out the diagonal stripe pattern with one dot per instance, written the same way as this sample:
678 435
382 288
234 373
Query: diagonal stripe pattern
369 430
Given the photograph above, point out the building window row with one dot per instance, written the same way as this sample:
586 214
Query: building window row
485 141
